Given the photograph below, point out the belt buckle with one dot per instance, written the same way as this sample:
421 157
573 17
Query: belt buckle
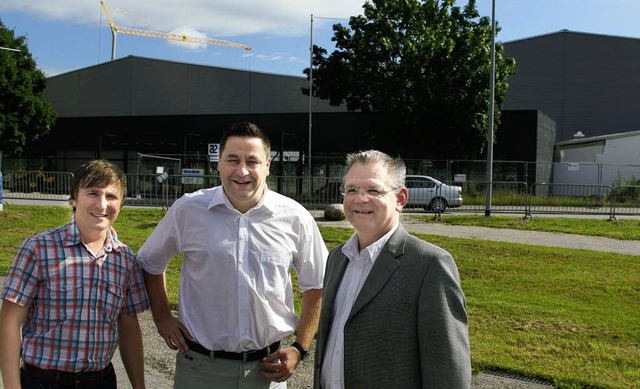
245 355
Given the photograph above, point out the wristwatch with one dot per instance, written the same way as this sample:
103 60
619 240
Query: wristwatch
303 353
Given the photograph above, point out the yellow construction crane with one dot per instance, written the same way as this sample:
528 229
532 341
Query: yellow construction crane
115 29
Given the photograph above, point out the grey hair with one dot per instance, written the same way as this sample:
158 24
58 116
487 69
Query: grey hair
396 169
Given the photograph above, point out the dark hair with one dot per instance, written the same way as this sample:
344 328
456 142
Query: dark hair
98 173
245 130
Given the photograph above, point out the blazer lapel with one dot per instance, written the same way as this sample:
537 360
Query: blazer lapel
336 265
383 268
334 275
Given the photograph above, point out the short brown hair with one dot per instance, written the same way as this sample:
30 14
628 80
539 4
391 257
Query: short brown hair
98 173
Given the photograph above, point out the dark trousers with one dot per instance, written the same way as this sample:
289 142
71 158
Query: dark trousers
62 380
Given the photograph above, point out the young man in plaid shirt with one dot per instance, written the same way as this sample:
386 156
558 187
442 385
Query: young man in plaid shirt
76 292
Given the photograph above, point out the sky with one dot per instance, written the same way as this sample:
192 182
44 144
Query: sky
64 35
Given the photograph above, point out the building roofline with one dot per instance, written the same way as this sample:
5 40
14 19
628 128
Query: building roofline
565 31
135 57
597 138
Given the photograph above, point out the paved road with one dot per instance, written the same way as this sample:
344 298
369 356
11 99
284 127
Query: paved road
160 360
552 239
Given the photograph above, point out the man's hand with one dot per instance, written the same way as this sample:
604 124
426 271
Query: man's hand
279 366
173 332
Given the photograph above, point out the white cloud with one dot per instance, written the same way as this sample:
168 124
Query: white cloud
190 32
277 30
222 18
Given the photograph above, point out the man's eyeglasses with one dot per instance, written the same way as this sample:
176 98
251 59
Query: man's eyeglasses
371 193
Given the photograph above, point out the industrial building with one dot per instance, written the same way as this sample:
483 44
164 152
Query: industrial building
565 82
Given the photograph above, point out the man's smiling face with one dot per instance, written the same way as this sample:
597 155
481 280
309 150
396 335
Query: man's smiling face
371 216
244 167
96 208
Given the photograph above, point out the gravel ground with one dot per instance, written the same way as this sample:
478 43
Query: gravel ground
160 360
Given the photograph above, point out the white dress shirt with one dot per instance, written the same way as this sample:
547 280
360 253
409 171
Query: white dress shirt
355 275
235 291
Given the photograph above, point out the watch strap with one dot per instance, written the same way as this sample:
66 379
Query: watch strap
303 353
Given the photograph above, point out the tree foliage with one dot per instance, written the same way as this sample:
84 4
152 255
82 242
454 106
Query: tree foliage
423 69
25 115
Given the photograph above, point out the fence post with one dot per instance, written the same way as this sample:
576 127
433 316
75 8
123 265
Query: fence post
1 205
613 198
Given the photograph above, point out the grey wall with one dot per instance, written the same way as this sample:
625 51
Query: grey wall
134 86
584 82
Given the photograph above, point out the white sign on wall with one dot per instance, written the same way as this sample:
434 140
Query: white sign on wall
193 176
214 152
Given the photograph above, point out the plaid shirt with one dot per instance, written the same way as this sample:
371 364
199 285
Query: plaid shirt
74 298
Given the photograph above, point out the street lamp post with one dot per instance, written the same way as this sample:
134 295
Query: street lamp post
310 91
492 87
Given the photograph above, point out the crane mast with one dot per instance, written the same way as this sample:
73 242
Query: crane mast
115 29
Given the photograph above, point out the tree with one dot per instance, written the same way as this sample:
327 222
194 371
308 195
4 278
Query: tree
422 68
25 115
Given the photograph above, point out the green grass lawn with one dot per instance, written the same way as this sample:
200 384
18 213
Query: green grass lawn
570 316
626 229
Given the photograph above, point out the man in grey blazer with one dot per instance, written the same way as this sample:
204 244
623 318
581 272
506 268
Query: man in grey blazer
393 312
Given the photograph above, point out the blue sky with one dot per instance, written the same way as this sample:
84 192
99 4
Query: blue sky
64 35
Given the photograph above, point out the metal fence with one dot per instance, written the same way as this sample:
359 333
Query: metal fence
513 197
36 185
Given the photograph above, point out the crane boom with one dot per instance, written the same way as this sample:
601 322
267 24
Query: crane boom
115 29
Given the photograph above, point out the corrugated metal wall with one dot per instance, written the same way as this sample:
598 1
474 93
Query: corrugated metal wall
584 82
134 86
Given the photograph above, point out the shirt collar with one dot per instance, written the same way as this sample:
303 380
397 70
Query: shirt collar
350 248
71 236
220 198
72 233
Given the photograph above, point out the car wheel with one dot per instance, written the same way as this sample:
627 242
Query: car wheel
438 205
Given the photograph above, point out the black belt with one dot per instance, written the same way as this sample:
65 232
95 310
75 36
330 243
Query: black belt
248 356
67 378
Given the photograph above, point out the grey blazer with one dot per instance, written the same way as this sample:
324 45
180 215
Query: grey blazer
408 327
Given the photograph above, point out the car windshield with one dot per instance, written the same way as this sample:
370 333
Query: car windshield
422 179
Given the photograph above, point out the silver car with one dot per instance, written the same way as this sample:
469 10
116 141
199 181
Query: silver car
432 195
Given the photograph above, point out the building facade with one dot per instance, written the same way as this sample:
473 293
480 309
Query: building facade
583 82
565 82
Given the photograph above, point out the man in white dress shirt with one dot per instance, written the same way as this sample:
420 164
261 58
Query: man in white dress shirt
236 304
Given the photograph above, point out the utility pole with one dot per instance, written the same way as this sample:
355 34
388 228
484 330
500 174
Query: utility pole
492 87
